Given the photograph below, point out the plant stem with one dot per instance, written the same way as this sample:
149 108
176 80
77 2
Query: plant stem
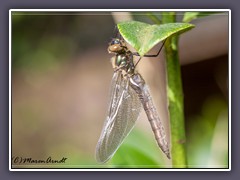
154 18
175 97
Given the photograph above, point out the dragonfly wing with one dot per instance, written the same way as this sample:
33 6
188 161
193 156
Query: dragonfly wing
123 112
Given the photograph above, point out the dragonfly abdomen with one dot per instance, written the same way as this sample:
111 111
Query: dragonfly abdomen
155 121
138 84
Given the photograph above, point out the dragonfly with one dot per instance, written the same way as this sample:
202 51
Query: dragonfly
128 94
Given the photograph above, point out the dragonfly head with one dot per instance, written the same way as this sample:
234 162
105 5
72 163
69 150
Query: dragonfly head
116 46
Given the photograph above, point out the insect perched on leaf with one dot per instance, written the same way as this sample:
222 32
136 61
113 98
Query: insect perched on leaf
128 94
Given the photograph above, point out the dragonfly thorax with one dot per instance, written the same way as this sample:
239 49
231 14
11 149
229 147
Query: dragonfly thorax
124 62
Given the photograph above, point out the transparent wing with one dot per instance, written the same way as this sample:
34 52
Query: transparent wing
123 112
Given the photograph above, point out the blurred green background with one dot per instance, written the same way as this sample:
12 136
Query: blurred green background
61 74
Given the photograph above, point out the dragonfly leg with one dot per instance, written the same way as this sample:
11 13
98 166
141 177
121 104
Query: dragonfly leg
151 55
137 62
116 32
117 69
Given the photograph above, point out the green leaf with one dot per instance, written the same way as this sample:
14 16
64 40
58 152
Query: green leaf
189 16
133 157
138 154
144 37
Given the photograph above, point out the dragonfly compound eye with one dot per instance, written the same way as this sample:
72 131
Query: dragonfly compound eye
115 41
